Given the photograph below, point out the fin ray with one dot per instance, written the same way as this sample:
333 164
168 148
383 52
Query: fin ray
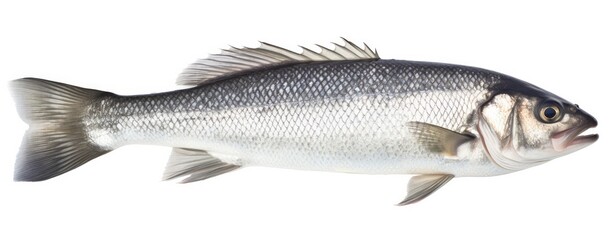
437 139
195 164
421 186
56 141
237 60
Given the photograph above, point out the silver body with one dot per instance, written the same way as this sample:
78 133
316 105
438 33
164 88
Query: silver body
341 110
347 116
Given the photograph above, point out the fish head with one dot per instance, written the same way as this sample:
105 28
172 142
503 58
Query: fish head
525 127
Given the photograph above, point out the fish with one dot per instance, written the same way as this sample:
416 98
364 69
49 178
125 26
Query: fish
341 109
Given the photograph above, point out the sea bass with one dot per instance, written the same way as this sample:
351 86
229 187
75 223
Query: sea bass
341 110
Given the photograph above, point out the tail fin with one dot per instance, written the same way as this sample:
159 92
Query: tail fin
56 141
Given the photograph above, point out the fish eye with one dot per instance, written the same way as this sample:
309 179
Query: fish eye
550 113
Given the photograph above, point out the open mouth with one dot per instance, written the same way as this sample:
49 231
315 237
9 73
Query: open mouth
571 139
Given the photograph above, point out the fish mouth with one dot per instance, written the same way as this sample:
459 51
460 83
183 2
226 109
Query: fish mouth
571 139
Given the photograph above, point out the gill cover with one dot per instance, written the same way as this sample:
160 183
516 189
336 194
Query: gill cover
501 131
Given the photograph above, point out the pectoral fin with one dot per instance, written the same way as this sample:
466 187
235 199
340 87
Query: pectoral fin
437 139
422 186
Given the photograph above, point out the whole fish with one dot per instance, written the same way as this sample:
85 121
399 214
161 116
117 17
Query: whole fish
341 109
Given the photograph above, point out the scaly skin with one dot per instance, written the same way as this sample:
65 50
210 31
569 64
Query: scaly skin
348 116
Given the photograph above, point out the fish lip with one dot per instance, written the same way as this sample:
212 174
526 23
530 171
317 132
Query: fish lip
571 137
584 139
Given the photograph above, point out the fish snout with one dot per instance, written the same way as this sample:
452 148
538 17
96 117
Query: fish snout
571 138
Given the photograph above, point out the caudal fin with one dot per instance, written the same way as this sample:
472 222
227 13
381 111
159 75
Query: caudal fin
56 141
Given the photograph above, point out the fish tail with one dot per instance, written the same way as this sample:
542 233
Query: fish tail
56 141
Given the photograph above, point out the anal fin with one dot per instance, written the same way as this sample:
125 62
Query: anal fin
195 164
422 186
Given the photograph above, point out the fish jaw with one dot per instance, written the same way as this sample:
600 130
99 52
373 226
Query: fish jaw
571 140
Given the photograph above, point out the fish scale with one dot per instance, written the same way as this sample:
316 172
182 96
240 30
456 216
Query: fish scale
342 110
264 119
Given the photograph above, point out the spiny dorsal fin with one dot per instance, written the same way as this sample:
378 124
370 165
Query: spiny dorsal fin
235 60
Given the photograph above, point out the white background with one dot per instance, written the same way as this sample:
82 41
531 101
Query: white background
140 47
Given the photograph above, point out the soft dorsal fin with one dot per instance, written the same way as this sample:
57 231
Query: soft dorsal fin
236 60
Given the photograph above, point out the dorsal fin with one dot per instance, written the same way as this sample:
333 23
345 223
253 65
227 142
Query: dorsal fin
236 60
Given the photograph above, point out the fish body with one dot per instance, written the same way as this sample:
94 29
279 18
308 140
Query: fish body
343 116
342 110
